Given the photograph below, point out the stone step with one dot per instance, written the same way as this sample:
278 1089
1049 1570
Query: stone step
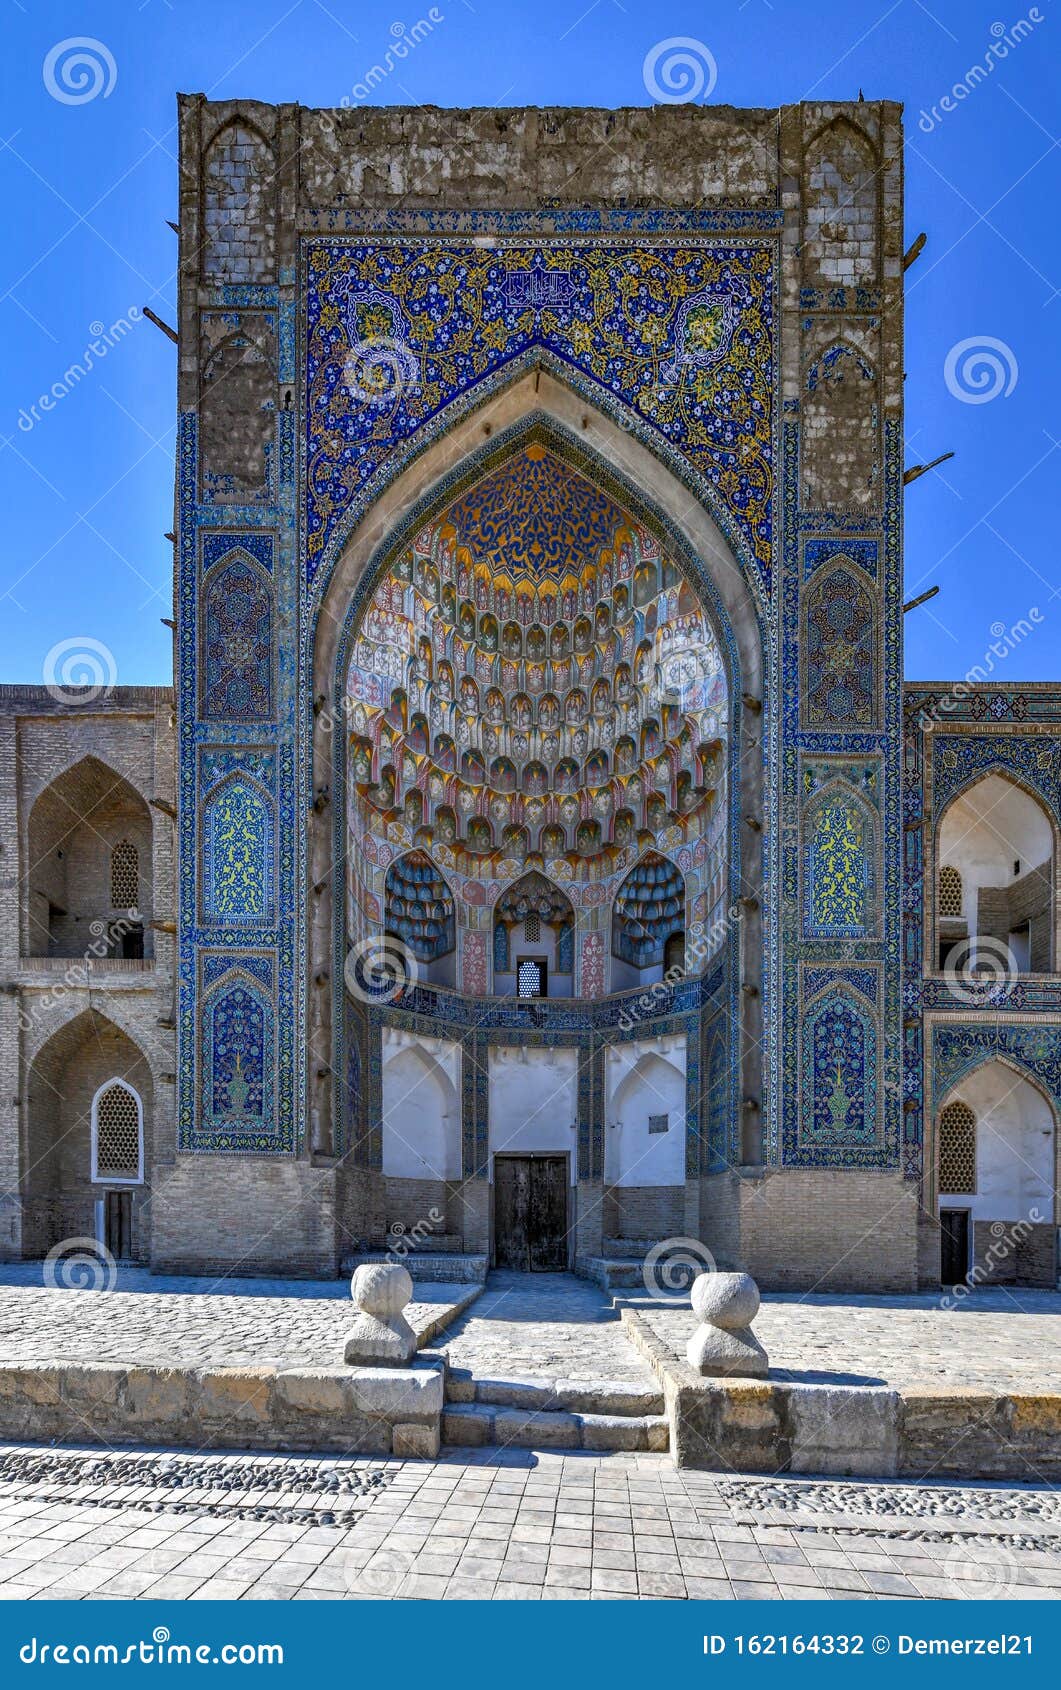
443 1269
619 1398
475 1424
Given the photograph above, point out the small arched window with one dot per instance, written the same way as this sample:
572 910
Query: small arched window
957 1151
950 891
117 1135
125 876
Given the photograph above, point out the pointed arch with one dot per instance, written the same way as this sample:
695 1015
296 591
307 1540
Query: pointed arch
239 204
840 1058
75 825
238 853
117 1134
841 246
841 864
236 661
237 1058
710 554
68 1076
841 641
997 834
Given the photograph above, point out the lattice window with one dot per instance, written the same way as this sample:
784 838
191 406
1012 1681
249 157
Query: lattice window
532 928
530 978
957 1151
950 891
117 1134
125 876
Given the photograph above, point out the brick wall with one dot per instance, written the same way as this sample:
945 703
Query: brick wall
244 1215
805 1230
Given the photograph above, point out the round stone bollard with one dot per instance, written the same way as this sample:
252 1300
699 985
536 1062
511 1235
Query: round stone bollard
380 1333
724 1344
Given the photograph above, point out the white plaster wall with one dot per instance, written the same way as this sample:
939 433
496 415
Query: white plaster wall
533 1101
985 831
421 1106
1014 1147
643 1078
546 945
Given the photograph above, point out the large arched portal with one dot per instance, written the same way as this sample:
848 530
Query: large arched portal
534 685
541 690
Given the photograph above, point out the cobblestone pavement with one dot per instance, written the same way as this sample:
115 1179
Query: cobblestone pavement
501 1524
544 1325
194 1322
1000 1339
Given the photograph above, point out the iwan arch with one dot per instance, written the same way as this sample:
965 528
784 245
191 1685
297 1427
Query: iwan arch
538 626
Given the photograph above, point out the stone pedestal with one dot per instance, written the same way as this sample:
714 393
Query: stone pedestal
724 1344
380 1333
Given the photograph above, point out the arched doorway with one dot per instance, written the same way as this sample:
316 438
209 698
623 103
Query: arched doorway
996 1175
994 891
88 873
86 1166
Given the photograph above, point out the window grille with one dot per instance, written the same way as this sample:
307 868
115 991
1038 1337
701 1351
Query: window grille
530 978
957 1150
125 876
117 1134
532 928
950 892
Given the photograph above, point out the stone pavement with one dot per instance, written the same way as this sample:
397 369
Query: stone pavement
504 1525
159 1319
543 1325
999 1339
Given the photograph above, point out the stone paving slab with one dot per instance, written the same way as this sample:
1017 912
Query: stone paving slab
156 1320
539 1328
502 1524
997 1340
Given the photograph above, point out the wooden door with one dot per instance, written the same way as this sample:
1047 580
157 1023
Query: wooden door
530 1213
118 1224
954 1245
512 1212
548 1214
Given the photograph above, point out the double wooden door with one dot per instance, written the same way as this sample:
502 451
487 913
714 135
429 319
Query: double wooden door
530 1213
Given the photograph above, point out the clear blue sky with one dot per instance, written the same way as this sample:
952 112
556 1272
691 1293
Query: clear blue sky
87 488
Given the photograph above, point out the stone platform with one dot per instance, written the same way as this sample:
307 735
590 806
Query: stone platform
206 1364
150 1319
863 1385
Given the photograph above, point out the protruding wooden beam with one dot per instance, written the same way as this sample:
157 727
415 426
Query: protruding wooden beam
915 471
159 324
912 604
914 251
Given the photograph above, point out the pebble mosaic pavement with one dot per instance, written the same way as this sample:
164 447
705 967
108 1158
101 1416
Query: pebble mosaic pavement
501 1524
